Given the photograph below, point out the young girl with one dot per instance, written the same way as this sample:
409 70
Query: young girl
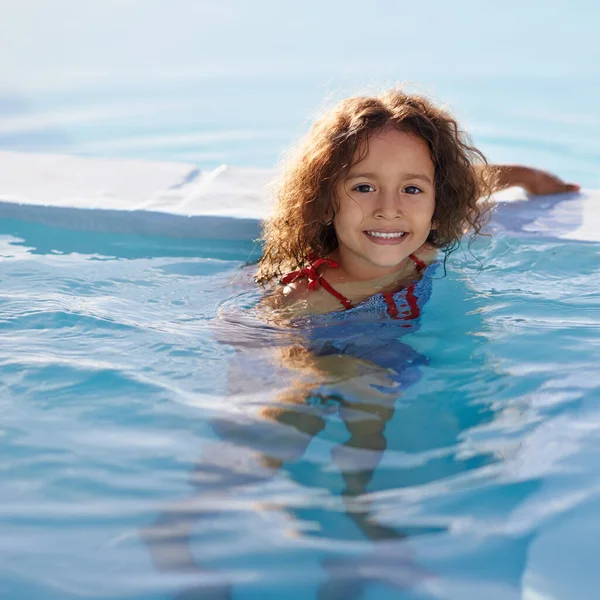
377 188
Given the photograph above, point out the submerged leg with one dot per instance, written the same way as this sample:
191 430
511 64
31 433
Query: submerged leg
254 455
359 457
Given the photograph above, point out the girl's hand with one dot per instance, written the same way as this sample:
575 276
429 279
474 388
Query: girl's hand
533 181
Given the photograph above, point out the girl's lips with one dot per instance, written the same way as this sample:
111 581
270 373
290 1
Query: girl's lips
386 241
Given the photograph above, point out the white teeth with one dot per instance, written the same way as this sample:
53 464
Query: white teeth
380 234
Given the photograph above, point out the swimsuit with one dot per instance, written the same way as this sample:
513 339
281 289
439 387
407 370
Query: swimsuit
316 280
365 330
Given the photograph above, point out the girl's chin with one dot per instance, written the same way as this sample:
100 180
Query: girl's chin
384 259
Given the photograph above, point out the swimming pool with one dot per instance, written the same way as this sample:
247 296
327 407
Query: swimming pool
138 389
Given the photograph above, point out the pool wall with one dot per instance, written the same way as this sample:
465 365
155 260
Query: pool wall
180 200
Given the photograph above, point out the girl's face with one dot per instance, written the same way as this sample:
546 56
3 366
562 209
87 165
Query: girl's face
385 205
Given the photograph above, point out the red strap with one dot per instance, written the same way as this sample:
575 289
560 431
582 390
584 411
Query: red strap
411 300
418 262
326 286
413 307
392 309
315 279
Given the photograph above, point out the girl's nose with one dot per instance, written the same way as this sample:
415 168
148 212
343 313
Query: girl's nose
388 205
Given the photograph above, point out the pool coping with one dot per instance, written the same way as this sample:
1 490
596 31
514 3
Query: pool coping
181 200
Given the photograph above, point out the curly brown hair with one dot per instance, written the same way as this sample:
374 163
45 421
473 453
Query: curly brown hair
302 223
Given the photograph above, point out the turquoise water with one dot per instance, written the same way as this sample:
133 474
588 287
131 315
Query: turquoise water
137 388
118 369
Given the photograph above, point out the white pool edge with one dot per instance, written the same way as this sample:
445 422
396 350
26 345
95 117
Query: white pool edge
180 200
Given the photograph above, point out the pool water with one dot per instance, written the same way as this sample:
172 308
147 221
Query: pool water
138 389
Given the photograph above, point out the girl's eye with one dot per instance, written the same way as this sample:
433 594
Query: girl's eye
412 189
363 188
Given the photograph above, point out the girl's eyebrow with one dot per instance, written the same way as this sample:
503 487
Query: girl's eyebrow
358 175
421 176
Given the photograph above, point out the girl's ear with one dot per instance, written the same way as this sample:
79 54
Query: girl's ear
329 216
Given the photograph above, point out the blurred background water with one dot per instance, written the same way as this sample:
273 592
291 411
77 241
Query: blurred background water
235 82
114 482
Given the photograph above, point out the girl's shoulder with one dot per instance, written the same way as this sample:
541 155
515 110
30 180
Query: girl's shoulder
295 297
301 299
297 291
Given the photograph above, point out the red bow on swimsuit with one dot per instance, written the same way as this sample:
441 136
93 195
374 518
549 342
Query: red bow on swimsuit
310 272
315 280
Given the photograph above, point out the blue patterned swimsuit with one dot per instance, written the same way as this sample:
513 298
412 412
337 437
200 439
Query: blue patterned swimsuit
371 330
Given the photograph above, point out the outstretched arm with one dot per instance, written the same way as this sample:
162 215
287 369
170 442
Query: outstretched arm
533 181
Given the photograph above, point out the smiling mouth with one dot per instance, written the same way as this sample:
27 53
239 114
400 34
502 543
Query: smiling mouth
386 235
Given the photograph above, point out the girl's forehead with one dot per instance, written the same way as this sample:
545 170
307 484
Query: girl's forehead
393 145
